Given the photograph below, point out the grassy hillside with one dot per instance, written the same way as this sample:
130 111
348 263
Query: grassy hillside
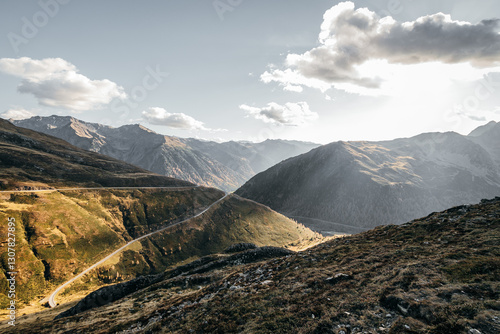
58 234
61 233
438 274
234 220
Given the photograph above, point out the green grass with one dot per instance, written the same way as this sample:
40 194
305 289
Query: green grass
233 221
72 230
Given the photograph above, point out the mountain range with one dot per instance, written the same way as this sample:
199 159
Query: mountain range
223 165
342 187
354 186
29 159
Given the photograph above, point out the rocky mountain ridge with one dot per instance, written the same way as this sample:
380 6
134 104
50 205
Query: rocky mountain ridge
32 159
366 184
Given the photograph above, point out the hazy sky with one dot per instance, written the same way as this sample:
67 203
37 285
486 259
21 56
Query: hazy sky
318 70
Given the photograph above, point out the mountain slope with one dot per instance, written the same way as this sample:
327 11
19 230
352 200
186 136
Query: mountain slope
438 274
32 158
488 136
61 233
226 165
363 184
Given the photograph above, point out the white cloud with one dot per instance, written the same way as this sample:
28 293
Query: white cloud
17 114
291 78
293 88
57 83
159 116
290 114
361 52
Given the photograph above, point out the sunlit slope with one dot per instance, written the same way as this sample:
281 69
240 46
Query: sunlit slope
59 234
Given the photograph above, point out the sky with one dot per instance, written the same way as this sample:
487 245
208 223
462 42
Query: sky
318 71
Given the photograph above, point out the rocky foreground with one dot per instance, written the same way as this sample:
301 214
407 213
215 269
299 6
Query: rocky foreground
438 274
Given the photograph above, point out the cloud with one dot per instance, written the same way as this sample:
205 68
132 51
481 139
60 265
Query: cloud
56 83
159 116
293 88
477 115
292 78
290 114
17 114
472 117
353 41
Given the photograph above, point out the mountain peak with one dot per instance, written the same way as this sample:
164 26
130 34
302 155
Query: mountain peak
483 129
135 126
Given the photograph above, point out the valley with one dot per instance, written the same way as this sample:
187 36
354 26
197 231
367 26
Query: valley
105 246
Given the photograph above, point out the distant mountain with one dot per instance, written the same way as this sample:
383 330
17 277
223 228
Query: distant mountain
488 136
349 186
226 166
29 159
141 147
250 157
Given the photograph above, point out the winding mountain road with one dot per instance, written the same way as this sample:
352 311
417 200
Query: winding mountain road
51 299
52 302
